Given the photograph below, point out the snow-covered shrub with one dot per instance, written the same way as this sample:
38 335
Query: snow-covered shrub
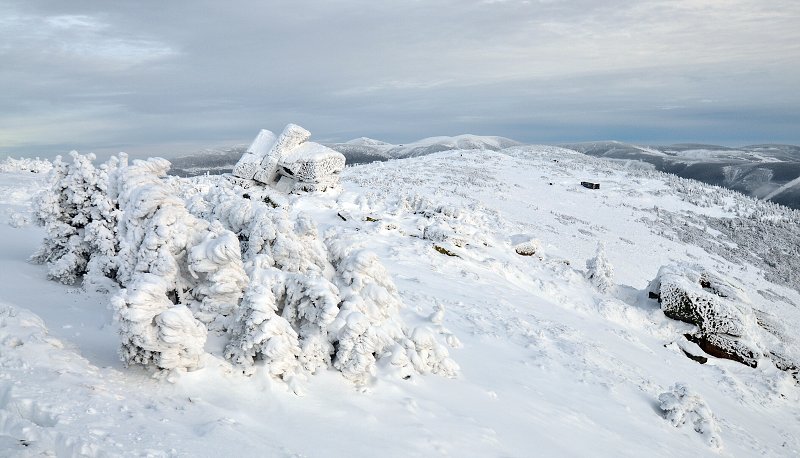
312 303
681 406
216 265
446 224
260 332
368 327
80 217
599 270
154 331
172 264
17 220
25 164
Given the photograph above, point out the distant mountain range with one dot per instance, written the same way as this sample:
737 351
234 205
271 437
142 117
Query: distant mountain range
357 151
767 172
365 149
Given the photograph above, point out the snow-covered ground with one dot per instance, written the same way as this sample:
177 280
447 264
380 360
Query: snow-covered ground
549 364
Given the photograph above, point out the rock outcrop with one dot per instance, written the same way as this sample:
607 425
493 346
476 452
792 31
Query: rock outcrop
728 325
289 162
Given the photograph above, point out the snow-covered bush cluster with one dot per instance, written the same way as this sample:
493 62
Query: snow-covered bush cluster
681 406
180 273
25 164
442 223
765 236
186 262
80 218
315 301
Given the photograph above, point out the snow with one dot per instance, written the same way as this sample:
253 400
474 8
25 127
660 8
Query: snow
548 364
783 188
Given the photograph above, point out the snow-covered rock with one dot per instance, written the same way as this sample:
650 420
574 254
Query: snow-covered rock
728 324
289 162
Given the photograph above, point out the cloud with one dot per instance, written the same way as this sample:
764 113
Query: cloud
77 39
204 72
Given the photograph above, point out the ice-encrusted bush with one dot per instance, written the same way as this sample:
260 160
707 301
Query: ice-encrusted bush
368 327
681 406
191 262
260 332
80 218
154 332
316 303
25 164
599 270
181 273
448 224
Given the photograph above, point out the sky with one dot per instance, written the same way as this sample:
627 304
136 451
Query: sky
160 77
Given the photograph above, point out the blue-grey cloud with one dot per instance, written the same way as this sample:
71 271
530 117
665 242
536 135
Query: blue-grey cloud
168 76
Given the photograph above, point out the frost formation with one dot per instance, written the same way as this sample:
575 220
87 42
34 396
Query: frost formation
681 406
316 302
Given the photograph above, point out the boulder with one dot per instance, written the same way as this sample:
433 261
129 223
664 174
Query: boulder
292 137
290 163
718 309
250 161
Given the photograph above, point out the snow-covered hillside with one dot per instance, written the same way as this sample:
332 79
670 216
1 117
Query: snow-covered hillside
768 172
365 149
540 289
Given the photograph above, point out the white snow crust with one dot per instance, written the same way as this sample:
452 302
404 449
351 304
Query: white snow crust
467 265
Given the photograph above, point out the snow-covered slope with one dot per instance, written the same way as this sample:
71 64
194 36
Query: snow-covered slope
488 250
769 172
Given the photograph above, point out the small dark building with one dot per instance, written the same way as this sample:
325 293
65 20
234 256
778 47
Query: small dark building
590 185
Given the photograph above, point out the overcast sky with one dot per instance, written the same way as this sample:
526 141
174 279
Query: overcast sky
171 76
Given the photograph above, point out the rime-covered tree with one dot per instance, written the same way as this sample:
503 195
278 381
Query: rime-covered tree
80 218
599 270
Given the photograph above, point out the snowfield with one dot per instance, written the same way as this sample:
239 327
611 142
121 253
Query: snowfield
488 250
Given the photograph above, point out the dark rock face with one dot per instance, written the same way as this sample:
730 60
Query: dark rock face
698 297
724 347
729 326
